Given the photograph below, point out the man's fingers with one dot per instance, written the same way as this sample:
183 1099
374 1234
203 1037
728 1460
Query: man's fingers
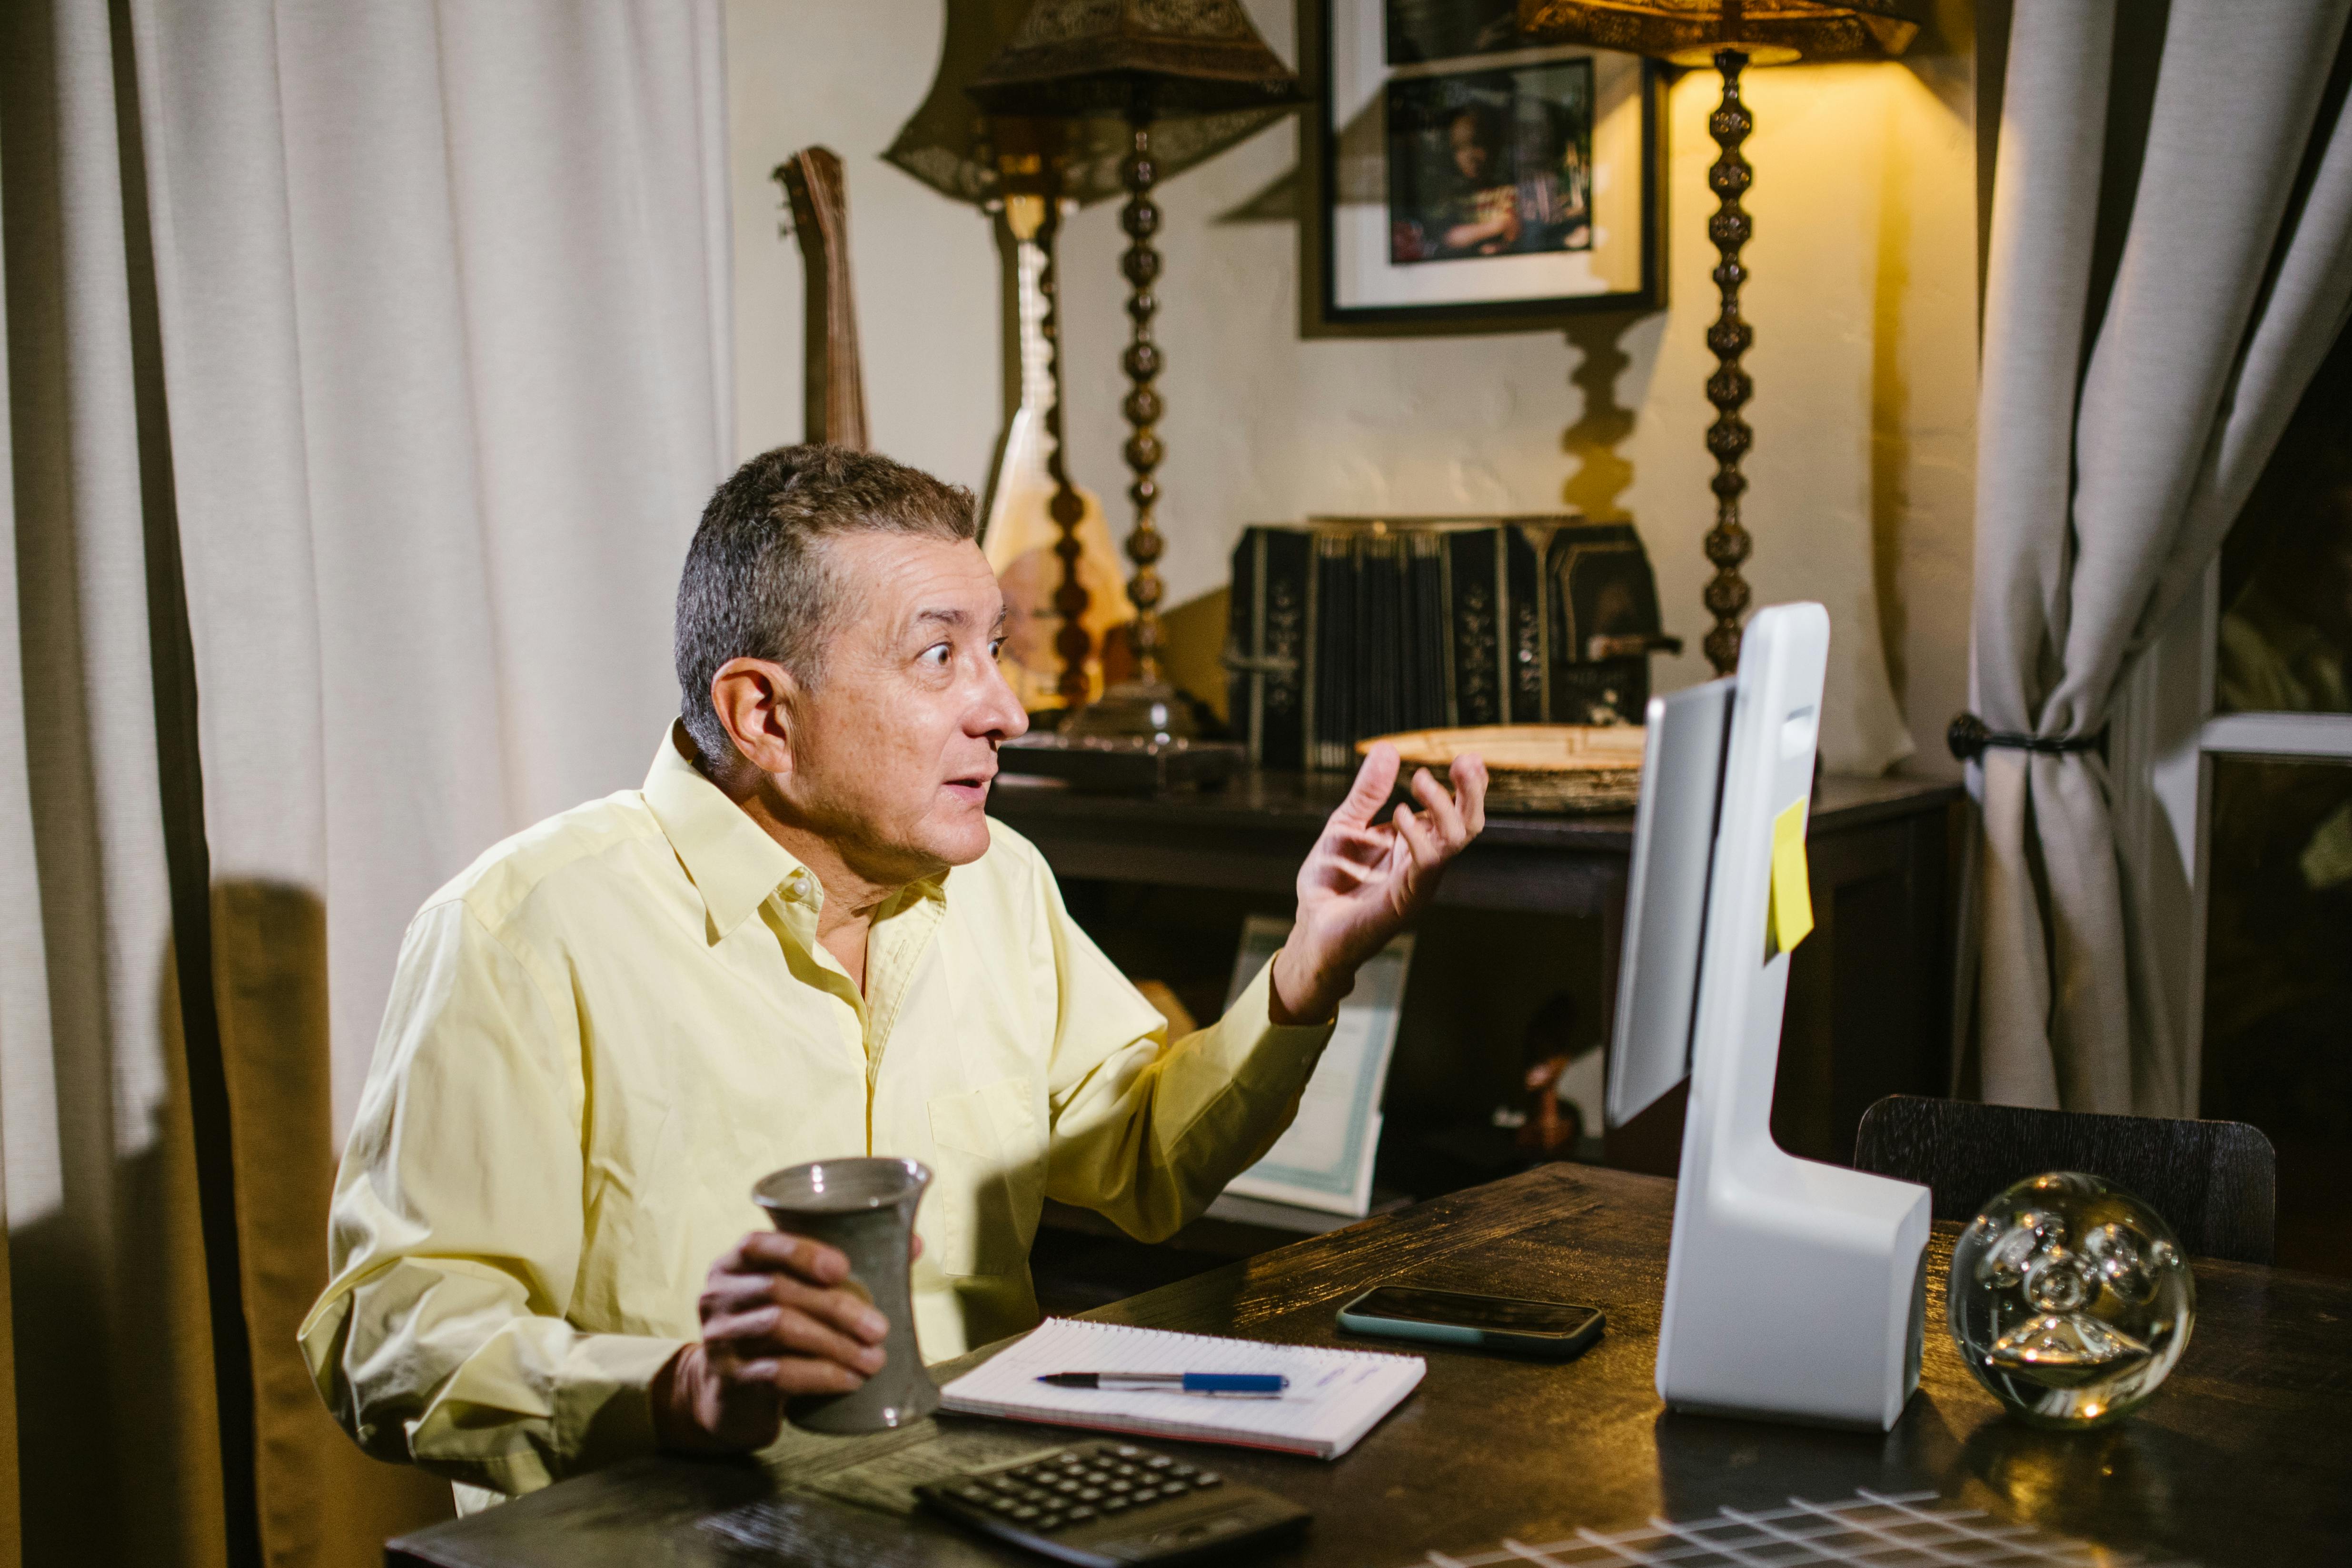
1373 840
762 1333
771 1251
1370 790
784 1331
1443 815
725 1294
1418 840
843 1309
795 1374
796 1377
1355 872
837 1308
731 1294
1469 772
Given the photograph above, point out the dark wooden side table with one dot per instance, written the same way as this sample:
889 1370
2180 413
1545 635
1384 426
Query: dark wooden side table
1869 993
2240 1458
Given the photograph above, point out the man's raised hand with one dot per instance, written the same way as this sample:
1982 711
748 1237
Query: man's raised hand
1364 880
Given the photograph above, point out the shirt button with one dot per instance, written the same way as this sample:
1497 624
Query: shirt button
796 886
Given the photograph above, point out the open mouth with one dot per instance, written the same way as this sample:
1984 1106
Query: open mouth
972 786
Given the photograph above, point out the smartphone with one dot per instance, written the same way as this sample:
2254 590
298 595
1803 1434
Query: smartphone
1554 1330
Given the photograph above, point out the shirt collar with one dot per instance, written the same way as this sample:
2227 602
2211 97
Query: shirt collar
732 862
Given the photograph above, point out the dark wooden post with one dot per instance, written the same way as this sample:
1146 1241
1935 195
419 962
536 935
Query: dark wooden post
1140 265
1728 388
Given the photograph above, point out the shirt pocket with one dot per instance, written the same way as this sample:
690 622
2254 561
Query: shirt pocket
990 1182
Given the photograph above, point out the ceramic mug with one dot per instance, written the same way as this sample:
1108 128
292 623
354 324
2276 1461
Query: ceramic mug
865 1206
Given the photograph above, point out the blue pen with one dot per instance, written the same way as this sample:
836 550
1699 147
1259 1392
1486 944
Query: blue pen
1237 1384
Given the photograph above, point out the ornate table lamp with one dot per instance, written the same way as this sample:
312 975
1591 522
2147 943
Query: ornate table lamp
1133 62
1731 36
1024 168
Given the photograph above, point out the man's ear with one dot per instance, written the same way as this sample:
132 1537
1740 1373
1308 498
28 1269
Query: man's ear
752 698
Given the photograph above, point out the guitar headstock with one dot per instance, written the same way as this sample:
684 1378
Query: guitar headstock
814 182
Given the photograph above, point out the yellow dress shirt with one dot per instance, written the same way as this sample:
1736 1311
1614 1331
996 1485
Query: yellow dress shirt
611 1025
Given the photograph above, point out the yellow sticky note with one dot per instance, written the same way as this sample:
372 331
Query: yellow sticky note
1789 915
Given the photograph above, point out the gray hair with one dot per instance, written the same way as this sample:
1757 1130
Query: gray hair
757 585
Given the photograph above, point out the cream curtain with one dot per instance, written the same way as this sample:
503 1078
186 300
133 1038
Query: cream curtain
367 368
113 1371
2105 484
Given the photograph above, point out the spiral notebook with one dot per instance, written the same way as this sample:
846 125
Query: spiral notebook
1335 1396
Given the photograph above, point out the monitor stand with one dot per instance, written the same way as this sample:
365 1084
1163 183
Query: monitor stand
1795 1290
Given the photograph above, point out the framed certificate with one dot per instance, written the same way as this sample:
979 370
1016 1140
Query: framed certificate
1324 1160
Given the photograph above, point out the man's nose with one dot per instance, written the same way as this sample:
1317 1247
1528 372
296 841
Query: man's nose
999 711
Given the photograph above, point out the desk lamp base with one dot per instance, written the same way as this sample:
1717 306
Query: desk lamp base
1139 710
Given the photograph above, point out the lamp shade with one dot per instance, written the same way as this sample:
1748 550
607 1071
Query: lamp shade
1689 32
1071 58
953 146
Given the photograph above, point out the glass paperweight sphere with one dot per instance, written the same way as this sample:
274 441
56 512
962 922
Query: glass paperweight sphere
2070 1300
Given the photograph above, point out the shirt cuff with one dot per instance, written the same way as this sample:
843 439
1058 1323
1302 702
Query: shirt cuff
1264 1055
605 1411
1244 1075
541 1401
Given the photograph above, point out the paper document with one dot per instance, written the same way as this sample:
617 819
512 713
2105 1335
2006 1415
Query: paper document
1335 1396
1324 1161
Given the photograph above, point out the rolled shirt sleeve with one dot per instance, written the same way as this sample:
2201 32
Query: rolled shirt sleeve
1147 1132
457 1230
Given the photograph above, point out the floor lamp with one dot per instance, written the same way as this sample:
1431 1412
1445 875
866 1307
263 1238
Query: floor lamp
1731 36
1136 62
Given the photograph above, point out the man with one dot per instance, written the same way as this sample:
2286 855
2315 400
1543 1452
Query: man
1484 204
802 938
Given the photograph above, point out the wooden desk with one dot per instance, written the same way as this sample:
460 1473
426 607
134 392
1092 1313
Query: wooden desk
1869 993
2240 1458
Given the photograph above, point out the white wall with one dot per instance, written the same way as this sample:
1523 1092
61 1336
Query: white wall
1863 300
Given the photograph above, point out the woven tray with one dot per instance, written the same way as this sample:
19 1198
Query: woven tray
1536 769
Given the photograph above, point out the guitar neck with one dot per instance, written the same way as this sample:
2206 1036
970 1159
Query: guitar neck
834 393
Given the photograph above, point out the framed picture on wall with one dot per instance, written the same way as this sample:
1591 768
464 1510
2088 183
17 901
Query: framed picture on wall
1462 180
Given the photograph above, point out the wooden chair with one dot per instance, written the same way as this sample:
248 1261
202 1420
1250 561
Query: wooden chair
2215 1182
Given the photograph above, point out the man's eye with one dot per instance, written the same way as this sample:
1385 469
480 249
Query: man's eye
935 656
995 646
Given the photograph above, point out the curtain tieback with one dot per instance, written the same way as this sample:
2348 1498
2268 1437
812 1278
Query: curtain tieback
1970 738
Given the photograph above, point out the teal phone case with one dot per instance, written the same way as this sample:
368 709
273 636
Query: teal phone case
1547 1347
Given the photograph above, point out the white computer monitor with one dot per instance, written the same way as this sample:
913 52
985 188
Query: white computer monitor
1665 899
1794 1290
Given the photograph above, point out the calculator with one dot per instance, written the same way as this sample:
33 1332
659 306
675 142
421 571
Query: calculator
1111 1505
